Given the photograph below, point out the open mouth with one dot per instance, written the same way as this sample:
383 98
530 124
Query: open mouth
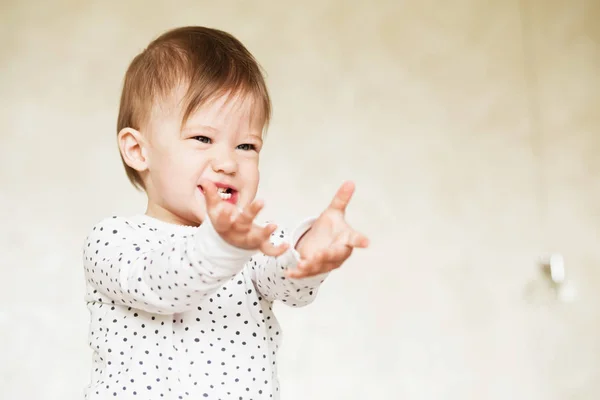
225 193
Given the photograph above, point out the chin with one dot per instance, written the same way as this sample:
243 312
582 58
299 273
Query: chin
198 217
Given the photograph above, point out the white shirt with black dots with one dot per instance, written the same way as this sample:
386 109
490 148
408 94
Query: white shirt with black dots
178 313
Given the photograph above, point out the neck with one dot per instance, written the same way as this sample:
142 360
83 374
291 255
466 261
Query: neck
162 214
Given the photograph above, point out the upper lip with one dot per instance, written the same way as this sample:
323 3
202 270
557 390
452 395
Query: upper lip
225 186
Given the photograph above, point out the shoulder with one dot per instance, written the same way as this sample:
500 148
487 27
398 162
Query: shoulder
115 233
116 226
113 222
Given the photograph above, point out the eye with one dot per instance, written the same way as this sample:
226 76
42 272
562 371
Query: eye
202 139
246 147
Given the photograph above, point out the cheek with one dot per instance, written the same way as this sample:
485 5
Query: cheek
177 169
249 170
187 163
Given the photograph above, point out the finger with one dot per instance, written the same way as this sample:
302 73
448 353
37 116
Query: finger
265 244
298 273
270 249
356 239
259 238
210 194
235 213
323 262
246 216
258 234
315 267
342 197
334 254
222 216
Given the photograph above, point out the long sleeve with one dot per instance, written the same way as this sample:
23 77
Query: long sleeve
164 273
268 273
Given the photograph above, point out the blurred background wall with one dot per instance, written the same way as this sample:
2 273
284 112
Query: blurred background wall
471 129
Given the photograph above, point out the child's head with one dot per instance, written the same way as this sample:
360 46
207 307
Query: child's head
194 106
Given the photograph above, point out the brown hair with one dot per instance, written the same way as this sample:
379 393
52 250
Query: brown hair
209 61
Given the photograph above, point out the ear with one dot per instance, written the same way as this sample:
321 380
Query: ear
133 149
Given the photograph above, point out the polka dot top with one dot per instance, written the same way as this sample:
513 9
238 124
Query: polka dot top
178 313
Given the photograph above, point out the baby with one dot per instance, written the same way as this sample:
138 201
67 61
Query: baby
181 296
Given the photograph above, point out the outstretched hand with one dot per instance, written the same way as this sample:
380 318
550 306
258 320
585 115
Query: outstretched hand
330 241
236 226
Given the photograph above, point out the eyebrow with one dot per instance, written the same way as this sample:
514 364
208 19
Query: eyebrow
195 127
255 137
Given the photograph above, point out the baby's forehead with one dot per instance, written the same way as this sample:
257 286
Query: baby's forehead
240 111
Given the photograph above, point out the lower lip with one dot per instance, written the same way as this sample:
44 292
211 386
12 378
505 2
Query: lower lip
233 198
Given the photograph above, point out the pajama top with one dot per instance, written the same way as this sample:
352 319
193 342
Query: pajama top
178 313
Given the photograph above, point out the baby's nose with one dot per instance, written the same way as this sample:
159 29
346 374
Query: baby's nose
225 163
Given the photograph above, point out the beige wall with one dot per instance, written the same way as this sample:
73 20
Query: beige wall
473 146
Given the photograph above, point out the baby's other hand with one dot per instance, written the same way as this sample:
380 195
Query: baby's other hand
237 226
330 241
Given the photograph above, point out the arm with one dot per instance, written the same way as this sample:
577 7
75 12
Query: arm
269 273
165 275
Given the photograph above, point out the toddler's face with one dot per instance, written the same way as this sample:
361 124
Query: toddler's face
219 142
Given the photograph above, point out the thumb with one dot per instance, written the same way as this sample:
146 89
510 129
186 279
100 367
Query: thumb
342 197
